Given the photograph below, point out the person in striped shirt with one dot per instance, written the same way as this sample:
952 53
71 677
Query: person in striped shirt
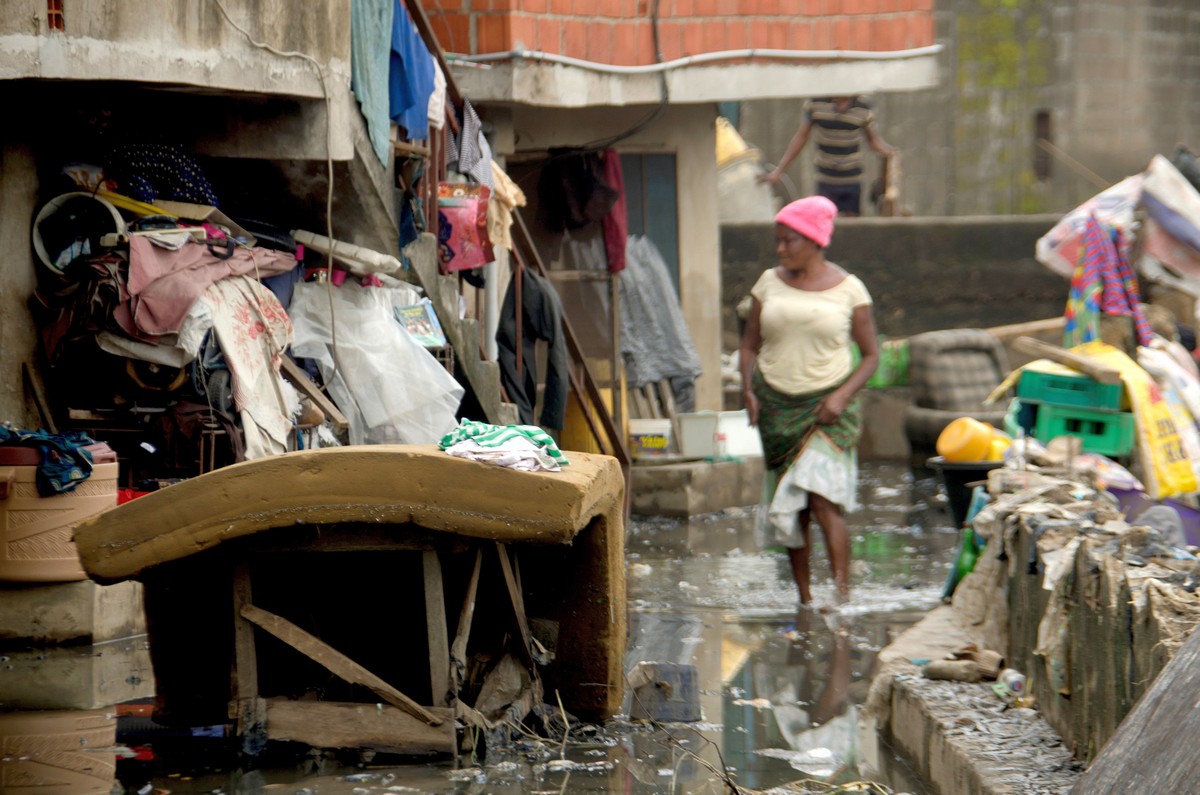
839 126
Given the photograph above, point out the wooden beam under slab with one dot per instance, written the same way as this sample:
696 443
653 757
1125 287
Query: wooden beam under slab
518 605
436 629
299 379
335 662
380 727
246 707
458 649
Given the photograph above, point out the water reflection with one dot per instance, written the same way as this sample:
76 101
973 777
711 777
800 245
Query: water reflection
780 688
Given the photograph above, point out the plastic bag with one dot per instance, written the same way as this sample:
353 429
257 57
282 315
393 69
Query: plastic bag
391 389
463 242
1059 248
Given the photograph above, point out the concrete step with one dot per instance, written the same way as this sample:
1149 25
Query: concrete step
690 488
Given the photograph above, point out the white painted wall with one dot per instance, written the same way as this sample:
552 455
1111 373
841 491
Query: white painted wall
689 133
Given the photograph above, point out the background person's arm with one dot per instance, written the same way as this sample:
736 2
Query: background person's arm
795 147
877 143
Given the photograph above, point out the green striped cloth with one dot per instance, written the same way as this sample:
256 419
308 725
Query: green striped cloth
486 435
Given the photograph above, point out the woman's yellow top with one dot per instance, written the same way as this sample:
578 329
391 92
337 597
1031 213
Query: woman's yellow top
806 342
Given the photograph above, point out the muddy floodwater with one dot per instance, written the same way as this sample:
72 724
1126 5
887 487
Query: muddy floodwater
779 689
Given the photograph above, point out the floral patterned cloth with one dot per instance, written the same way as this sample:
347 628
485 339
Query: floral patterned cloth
253 330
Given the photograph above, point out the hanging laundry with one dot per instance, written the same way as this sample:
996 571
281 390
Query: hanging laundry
411 77
370 68
655 342
542 320
437 100
573 191
506 197
615 222
474 153
1104 283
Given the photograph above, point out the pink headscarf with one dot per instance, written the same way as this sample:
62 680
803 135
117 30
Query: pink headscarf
812 217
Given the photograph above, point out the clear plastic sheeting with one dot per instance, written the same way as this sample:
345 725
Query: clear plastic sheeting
655 341
391 389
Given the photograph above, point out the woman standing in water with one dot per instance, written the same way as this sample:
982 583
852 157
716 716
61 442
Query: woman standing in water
800 385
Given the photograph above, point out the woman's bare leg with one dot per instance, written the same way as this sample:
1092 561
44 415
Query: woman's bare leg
799 558
837 541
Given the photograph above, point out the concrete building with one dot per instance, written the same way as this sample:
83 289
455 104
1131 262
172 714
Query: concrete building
262 89
564 73
1105 84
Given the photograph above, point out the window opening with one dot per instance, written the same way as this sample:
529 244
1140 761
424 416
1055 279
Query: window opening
54 15
1043 139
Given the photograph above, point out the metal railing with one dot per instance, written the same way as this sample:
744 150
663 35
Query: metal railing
608 436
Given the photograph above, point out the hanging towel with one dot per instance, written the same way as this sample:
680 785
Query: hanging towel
411 79
524 447
370 52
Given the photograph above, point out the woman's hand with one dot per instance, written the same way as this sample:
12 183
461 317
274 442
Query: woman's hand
831 408
751 402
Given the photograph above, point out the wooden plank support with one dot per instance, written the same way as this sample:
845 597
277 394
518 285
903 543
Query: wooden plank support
640 407
458 649
1045 350
310 390
667 397
380 727
335 662
246 707
518 604
651 393
33 382
436 629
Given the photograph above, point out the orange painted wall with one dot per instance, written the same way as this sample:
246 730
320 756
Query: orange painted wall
619 31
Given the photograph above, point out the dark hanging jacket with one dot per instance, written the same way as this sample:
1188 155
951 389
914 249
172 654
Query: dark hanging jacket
541 320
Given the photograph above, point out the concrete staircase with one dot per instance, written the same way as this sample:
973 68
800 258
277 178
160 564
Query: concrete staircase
366 200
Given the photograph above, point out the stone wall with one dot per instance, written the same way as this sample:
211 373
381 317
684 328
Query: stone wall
1109 76
923 273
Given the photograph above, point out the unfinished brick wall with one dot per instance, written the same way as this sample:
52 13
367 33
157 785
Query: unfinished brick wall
619 32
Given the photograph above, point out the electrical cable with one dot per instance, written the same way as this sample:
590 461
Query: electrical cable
750 54
663 88
321 75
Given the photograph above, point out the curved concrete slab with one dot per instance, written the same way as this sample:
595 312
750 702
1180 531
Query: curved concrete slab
378 484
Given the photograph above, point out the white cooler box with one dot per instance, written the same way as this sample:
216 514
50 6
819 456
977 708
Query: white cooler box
699 433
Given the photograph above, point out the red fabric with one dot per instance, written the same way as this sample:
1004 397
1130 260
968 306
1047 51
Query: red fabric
125 495
616 223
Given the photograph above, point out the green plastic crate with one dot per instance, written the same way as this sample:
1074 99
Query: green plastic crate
1106 432
1070 390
